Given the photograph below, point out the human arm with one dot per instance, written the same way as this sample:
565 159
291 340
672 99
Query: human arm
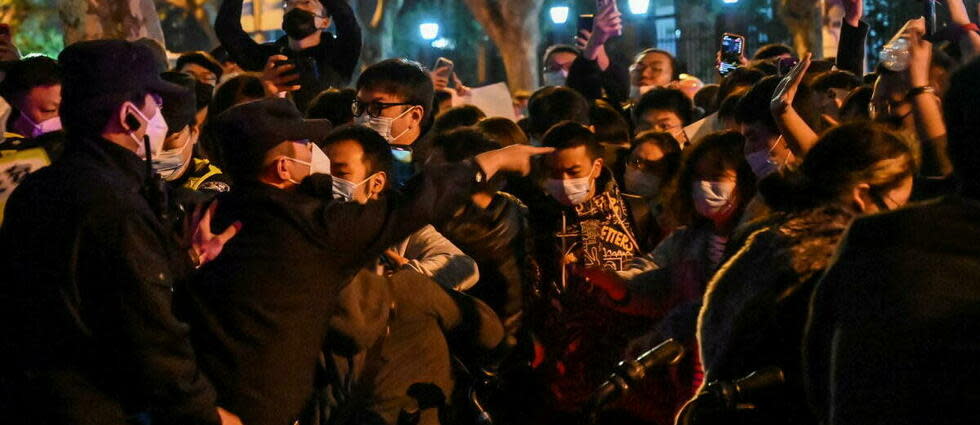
431 254
969 40
640 289
348 43
926 106
242 49
853 38
798 134
428 198
593 71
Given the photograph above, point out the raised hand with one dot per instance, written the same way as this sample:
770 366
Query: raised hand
440 77
853 12
279 78
607 24
785 93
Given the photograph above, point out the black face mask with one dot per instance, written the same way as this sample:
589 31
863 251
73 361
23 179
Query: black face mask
299 24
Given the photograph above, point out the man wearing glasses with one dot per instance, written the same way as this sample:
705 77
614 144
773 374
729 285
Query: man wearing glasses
394 98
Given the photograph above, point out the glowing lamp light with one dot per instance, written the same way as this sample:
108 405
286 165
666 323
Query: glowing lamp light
442 43
729 1
559 14
429 30
639 7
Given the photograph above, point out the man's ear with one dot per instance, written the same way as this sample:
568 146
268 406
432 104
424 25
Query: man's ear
378 184
128 120
597 167
281 170
417 115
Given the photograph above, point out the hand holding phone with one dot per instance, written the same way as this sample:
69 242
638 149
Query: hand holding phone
608 7
732 49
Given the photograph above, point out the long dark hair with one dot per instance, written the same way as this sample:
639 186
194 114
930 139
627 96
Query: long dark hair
726 149
843 157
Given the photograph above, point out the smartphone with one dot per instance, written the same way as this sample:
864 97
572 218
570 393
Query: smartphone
602 5
786 65
402 154
443 62
732 48
585 22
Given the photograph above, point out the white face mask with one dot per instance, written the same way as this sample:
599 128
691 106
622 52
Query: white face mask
639 183
28 128
156 131
169 163
570 191
319 164
713 200
344 189
637 91
383 124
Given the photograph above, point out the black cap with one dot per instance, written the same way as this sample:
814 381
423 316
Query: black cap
180 110
246 132
94 68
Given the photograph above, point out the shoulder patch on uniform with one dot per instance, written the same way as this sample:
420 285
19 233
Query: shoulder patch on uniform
215 187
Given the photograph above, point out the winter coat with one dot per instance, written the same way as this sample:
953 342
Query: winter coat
88 333
755 307
259 312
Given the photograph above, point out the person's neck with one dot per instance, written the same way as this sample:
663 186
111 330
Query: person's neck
306 42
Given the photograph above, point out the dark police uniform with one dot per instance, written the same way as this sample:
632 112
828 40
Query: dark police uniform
88 270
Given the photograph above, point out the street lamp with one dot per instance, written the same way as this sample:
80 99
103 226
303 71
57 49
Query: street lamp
639 7
429 30
559 14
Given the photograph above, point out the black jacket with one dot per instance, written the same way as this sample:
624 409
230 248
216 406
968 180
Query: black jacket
89 336
331 62
259 312
499 240
587 78
892 334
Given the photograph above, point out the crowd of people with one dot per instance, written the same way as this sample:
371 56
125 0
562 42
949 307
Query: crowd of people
247 236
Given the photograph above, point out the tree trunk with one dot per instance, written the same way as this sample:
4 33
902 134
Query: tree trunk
513 26
109 19
377 18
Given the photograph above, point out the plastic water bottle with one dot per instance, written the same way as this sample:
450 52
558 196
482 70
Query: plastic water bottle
895 55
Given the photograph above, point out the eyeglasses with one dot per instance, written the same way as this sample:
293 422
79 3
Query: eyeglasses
373 109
